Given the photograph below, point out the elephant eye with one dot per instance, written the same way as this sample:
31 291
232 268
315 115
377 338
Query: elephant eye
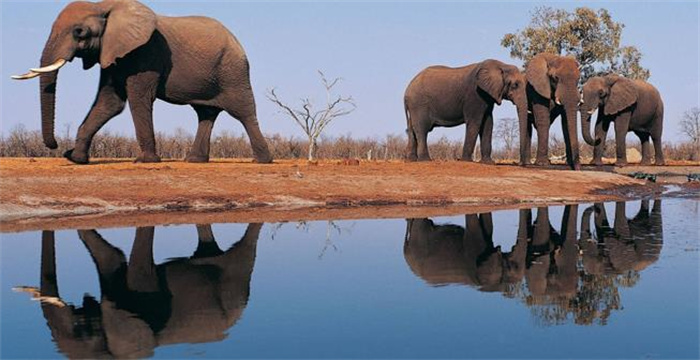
80 32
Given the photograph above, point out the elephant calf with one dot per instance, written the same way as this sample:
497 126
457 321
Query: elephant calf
448 97
190 60
633 105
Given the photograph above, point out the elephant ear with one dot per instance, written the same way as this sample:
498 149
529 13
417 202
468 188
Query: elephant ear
489 78
622 95
129 25
537 74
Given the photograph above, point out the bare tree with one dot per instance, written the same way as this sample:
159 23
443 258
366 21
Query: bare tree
507 130
313 122
690 127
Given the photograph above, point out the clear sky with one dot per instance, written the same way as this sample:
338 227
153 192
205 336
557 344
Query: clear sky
377 47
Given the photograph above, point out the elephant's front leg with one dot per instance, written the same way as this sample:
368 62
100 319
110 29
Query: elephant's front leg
646 148
141 92
485 135
472 129
621 126
525 140
542 121
601 132
141 275
110 102
200 147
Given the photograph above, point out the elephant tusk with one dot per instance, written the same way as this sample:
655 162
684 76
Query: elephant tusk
529 112
590 112
50 68
556 100
26 76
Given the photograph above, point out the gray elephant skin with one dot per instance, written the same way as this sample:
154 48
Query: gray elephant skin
552 91
633 105
144 57
144 305
441 96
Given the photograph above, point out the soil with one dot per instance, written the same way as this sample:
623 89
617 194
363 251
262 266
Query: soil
53 193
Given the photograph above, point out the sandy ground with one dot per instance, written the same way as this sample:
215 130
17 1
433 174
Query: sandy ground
53 193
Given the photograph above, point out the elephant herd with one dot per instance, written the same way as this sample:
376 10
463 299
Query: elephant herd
144 305
144 56
441 96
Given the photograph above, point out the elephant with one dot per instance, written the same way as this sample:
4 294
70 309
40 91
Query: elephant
144 57
634 105
629 245
441 96
143 305
552 90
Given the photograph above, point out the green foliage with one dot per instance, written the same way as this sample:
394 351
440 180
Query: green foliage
592 37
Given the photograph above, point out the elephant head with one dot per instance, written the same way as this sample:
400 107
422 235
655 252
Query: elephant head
502 81
95 32
610 93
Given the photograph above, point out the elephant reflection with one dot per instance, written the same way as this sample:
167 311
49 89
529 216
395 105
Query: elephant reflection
542 268
629 245
143 305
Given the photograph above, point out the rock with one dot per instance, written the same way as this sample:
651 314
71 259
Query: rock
633 155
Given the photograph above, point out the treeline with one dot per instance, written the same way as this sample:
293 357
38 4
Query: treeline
21 142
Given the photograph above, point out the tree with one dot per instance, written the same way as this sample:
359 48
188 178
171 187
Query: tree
592 37
313 122
507 130
690 127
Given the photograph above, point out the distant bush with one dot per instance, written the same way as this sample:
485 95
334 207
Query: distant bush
21 142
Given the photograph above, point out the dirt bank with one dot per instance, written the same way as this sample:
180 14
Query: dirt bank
52 193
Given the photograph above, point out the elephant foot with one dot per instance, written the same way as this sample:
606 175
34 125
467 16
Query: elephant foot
576 167
660 163
77 158
645 162
423 159
466 159
621 163
192 158
263 160
542 162
411 158
147 158
597 162
488 161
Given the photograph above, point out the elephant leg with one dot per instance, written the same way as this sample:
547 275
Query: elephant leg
141 92
421 127
242 107
542 120
200 148
412 149
108 259
486 135
656 132
646 148
109 102
621 224
48 282
621 126
525 141
141 274
601 132
472 130
206 244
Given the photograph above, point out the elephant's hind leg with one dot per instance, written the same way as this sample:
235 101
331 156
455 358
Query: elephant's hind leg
141 92
243 109
646 148
200 148
656 132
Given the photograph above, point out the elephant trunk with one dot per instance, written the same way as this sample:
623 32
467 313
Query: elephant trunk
47 91
586 128
571 109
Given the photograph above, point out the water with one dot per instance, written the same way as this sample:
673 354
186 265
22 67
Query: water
614 280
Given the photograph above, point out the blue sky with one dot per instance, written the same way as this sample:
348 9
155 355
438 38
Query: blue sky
376 47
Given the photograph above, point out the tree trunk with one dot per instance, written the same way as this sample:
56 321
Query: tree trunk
312 149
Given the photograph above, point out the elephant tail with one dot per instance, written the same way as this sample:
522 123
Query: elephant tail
409 128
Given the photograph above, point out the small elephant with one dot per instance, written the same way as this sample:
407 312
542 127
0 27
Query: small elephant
552 90
633 105
447 97
144 305
190 60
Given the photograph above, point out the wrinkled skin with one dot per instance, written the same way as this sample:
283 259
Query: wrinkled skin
144 305
441 96
633 105
552 91
628 245
144 57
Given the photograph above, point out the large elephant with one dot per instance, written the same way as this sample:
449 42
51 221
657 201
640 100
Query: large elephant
628 245
441 96
143 305
552 91
182 60
633 105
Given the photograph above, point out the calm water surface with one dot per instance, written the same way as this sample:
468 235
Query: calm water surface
613 280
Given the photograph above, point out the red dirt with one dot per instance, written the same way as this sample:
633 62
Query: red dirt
52 193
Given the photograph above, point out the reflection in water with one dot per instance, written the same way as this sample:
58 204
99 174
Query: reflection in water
144 305
553 272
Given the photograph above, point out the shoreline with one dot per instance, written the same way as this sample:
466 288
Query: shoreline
43 194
